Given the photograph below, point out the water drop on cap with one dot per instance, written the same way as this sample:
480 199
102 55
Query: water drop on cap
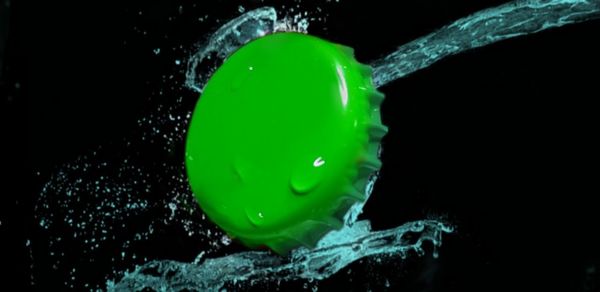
306 175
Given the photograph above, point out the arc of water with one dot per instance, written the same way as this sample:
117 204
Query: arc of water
483 28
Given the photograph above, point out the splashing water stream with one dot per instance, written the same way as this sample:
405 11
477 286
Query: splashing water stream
98 221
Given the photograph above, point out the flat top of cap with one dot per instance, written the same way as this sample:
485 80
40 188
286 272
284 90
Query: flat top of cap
277 133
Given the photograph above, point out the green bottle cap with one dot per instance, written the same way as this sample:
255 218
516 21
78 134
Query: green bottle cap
283 140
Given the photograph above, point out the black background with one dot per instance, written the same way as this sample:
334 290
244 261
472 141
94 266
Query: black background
501 140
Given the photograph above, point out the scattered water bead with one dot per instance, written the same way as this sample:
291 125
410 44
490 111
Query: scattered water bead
283 139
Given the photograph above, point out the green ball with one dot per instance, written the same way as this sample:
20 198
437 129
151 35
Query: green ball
283 139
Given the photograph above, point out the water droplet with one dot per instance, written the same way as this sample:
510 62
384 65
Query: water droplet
257 218
318 162
307 175
225 240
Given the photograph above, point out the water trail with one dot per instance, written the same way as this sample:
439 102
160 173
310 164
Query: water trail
488 26
335 253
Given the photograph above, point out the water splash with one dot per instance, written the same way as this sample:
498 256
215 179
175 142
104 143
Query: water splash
99 204
334 252
227 39
237 32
